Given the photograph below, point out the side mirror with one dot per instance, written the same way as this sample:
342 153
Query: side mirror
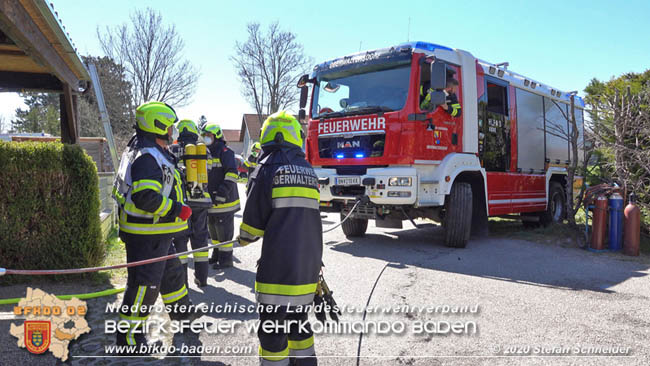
437 98
303 96
303 80
438 75
301 116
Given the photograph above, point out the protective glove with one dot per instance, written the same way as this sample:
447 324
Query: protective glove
242 242
186 212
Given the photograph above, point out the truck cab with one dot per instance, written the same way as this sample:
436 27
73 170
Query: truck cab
370 134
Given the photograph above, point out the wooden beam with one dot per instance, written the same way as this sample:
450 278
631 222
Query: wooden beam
69 130
17 24
23 81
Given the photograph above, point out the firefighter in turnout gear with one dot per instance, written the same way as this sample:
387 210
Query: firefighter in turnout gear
251 162
198 233
149 192
451 106
222 186
283 208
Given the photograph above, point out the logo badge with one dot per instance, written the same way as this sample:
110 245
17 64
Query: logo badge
37 335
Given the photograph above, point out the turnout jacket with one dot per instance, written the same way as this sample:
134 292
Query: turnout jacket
149 190
283 207
222 180
250 163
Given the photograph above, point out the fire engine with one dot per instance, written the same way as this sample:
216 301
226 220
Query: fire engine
370 136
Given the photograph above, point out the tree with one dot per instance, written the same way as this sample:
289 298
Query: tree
152 56
42 114
268 66
568 130
620 128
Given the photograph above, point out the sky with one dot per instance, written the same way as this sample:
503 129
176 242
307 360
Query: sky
563 44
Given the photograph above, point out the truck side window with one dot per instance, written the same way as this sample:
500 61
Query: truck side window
494 128
425 81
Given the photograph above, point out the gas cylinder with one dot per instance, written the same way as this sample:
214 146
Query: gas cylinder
599 224
190 164
615 222
202 164
632 232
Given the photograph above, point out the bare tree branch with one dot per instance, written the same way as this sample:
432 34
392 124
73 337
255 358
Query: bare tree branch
268 66
151 53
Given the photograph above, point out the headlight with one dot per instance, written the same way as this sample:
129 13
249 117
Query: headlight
400 181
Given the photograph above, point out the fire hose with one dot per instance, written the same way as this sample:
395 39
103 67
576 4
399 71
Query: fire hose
28 272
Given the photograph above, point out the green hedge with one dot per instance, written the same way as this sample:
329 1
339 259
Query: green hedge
49 207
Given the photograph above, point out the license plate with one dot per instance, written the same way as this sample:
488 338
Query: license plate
348 181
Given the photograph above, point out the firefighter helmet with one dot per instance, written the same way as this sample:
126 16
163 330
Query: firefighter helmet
281 128
155 118
214 129
187 126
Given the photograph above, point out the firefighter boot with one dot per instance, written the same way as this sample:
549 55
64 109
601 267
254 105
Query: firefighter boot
214 258
225 259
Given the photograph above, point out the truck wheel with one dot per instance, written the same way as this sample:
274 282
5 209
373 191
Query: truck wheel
354 227
556 208
458 215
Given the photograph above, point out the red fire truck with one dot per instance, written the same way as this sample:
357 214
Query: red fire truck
507 153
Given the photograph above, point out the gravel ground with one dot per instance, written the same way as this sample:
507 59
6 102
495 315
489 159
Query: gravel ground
545 303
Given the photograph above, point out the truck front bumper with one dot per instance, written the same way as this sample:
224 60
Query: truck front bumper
374 184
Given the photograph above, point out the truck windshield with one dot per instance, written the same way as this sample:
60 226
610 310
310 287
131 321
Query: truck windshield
361 90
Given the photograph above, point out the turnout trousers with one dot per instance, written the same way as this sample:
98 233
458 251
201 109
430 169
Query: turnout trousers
199 237
222 228
146 282
291 343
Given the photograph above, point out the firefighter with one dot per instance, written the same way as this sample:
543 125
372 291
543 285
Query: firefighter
149 189
251 162
222 186
451 106
282 207
198 225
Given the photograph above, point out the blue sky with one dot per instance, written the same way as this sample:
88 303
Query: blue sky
560 43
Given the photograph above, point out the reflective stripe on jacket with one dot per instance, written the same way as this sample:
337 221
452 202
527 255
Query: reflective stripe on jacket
282 207
149 191
222 180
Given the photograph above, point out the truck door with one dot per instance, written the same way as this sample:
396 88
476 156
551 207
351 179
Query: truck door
494 144
442 136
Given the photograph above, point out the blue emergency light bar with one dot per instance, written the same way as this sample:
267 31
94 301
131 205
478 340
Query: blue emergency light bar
424 46
359 155
339 156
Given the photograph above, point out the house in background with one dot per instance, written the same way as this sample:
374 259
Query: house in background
251 127
233 140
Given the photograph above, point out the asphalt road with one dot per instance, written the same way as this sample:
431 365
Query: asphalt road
523 303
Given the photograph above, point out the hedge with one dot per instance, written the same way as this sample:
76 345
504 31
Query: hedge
49 207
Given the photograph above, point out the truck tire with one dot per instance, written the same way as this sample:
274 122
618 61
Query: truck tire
458 215
354 227
556 208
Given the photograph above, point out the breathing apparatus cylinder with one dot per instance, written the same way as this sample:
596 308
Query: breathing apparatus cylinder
202 164
191 164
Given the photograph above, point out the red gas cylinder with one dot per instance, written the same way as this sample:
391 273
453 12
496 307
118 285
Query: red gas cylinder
599 224
632 232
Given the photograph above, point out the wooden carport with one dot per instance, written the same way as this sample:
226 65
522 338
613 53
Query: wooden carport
36 54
